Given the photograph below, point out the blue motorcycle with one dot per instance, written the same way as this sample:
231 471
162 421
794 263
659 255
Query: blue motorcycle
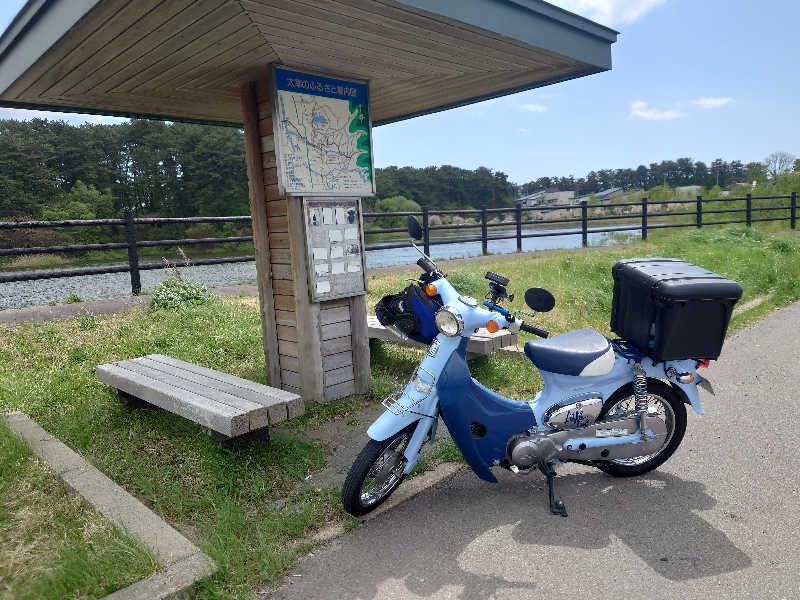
617 405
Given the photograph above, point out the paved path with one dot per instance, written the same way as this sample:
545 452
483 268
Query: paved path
719 520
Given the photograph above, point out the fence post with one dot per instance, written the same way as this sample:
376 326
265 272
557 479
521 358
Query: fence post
518 216
699 211
484 232
749 210
426 235
133 252
793 211
584 224
644 218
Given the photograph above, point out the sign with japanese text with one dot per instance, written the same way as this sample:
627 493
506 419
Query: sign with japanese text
323 137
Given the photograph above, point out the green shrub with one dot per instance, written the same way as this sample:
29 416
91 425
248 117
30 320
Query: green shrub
73 299
87 321
174 292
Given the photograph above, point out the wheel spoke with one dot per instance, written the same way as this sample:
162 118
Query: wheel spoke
385 472
663 411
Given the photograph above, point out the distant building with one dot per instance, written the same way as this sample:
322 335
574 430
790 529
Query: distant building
548 197
605 195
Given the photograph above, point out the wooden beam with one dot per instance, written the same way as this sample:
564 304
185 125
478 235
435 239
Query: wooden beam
258 211
308 325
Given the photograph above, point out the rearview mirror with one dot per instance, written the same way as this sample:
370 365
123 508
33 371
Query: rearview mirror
414 228
539 299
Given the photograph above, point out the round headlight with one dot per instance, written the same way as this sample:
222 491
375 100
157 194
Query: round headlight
449 322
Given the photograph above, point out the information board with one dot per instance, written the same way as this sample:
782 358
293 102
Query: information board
334 245
323 137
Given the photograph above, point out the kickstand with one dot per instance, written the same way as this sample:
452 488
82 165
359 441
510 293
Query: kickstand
556 506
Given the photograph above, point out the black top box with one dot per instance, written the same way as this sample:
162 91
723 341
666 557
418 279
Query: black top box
671 309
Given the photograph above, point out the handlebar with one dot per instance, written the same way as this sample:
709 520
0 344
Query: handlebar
534 330
426 265
524 326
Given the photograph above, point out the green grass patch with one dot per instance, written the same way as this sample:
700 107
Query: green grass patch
54 545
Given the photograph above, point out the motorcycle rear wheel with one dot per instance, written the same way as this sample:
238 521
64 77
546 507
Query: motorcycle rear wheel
376 473
669 405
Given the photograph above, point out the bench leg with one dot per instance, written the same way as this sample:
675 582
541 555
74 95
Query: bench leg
132 401
258 435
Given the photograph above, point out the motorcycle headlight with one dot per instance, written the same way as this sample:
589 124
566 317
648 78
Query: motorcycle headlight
449 322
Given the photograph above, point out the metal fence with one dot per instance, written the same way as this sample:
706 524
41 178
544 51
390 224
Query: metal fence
641 212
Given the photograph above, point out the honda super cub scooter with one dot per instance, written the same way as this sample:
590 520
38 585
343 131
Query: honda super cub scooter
617 405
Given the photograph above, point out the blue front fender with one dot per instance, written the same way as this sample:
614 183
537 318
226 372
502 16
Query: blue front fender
388 424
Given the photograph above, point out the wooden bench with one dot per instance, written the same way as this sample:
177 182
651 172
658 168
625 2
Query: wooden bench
482 342
227 406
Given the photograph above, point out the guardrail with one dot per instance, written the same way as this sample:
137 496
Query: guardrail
642 225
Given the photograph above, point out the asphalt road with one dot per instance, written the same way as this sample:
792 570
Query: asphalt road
719 520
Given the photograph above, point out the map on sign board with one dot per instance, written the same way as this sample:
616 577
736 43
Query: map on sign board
322 135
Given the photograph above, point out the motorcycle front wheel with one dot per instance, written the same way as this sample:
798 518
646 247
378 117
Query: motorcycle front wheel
376 473
669 407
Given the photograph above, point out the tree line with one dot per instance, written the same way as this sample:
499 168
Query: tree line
53 170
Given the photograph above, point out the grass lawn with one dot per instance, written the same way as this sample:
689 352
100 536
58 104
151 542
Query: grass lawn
53 545
248 508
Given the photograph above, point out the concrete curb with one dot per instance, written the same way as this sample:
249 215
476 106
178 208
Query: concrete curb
183 562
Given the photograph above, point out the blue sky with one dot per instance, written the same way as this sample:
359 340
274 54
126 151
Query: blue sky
698 78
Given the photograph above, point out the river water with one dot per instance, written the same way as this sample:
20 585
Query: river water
44 291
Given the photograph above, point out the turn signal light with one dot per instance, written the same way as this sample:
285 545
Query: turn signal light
492 326
431 290
703 364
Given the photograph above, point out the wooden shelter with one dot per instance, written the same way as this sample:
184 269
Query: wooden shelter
209 61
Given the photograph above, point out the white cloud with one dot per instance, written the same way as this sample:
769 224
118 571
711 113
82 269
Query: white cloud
523 130
23 114
610 12
640 110
537 108
712 102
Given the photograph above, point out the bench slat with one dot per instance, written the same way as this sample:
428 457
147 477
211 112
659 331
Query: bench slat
273 395
239 391
481 342
214 415
257 413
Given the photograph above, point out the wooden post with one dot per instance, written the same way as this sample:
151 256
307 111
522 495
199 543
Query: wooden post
484 233
259 210
133 252
426 233
518 216
749 211
584 224
699 215
793 211
644 218
319 350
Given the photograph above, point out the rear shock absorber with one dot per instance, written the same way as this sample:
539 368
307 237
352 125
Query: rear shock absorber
641 396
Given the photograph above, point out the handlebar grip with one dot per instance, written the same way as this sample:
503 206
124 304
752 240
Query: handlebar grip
534 330
425 265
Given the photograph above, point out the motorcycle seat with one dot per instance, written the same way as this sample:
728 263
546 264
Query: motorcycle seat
581 352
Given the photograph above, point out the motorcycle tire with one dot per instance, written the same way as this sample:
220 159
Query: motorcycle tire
380 464
675 417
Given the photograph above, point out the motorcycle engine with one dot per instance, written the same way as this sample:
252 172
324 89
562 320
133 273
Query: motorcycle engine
525 450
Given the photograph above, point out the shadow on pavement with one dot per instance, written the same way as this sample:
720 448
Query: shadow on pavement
475 538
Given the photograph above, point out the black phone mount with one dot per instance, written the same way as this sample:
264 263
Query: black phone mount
497 287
